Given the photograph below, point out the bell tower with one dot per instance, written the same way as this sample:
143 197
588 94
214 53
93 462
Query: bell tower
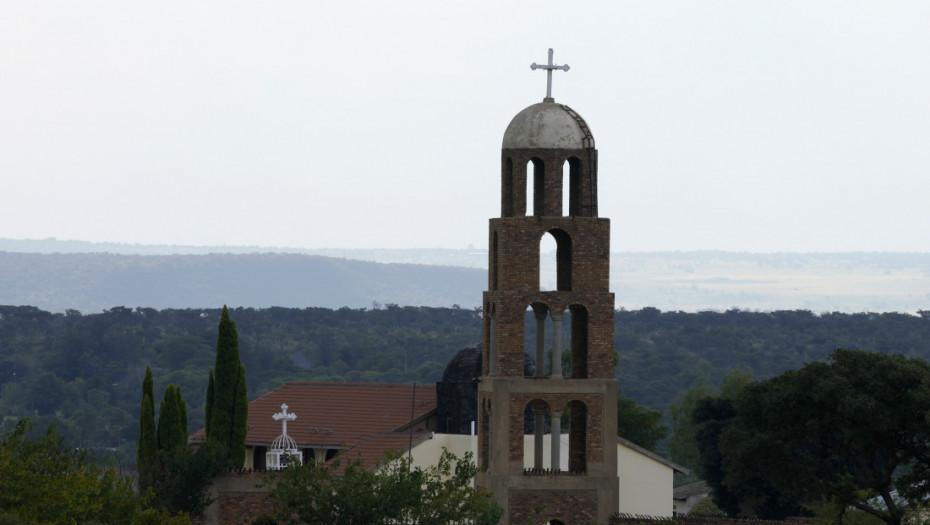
566 471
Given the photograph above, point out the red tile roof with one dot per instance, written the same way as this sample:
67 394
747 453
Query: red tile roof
337 415
373 449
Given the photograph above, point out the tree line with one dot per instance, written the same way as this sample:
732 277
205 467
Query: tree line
83 371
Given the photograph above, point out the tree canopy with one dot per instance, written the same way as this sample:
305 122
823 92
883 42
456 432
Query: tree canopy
853 431
228 397
392 492
44 481
639 425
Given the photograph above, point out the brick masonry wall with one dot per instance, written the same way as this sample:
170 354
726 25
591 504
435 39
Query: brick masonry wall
238 497
536 507
244 507
698 520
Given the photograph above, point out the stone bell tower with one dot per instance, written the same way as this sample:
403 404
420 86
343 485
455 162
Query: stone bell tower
566 472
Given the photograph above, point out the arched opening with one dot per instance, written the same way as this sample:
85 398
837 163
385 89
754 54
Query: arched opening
490 319
535 187
573 188
558 461
563 259
566 189
493 262
536 327
534 457
507 189
556 361
579 342
577 436
548 262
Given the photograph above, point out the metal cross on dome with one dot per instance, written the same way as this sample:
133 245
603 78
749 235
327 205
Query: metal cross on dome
284 417
548 67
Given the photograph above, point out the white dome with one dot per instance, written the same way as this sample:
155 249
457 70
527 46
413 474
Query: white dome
548 125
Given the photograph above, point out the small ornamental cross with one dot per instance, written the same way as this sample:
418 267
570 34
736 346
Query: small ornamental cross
284 417
548 67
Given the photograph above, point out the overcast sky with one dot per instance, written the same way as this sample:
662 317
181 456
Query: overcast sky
754 126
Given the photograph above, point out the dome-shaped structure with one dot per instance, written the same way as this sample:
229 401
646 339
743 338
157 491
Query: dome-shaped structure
548 125
457 392
284 442
465 365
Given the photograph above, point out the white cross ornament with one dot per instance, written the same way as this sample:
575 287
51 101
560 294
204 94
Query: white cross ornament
549 68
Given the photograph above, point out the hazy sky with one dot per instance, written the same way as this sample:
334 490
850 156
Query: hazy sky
734 125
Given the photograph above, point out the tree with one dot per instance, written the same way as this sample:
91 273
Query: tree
148 441
683 445
184 477
208 405
180 477
42 480
390 492
852 431
172 421
229 411
638 424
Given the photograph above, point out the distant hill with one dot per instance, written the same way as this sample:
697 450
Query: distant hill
93 276
93 282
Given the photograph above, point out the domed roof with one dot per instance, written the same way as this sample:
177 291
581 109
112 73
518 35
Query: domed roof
548 125
465 366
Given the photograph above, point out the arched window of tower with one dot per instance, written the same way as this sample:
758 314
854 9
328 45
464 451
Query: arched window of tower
578 364
537 327
573 187
562 263
576 414
535 187
535 449
548 263
566 189
494 261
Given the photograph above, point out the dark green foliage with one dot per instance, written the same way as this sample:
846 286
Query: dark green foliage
850 431
661 355
208 404
228 417
711 416
393 492
148 439
148 445
172 427
42 480
184 476
240 422
176 479
706 507
639 425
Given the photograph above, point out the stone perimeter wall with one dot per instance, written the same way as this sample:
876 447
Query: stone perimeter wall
625 519
238 498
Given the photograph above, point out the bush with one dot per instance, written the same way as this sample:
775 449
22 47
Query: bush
706 507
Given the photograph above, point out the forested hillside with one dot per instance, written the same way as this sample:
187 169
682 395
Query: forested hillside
85 371
93 281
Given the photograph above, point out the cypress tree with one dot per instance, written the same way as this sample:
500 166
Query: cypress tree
240 422
145 453
182 415
228 423
208 406
170 429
